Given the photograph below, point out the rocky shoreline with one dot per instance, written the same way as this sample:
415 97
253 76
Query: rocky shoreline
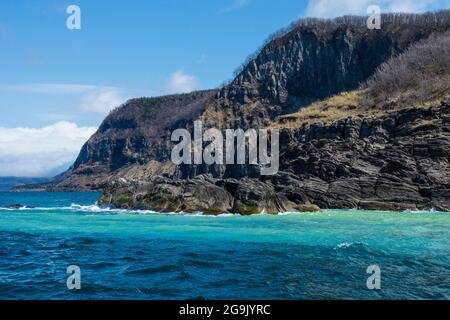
363 117
202 194
395 162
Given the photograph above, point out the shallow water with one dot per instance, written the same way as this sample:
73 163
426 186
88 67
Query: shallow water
143 255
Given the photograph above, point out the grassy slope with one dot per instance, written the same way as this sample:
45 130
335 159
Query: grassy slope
418 78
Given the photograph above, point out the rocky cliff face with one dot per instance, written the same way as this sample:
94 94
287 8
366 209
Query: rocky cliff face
310 62
398 160
135 135
315 60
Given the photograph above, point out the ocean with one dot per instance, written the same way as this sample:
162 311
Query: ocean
144 255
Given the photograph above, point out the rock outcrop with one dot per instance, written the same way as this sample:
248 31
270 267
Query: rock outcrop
396 162
394 159
201 194
133 141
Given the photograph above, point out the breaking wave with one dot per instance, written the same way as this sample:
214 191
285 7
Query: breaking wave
95 208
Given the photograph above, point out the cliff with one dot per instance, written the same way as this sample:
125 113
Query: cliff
338 150
133 140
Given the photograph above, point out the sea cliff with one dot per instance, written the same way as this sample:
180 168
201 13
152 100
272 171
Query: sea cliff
363 117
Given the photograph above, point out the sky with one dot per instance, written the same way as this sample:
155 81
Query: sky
57 84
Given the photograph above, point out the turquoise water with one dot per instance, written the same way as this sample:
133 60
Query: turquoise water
143 255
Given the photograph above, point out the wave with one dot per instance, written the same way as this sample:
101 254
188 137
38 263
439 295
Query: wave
432 210
346 245
96 209
295 213
77 208
17 209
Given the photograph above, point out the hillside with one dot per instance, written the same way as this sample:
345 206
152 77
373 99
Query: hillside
349 122
419 77
133 140
315 59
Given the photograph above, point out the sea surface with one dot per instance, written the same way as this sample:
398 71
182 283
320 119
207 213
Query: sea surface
144 255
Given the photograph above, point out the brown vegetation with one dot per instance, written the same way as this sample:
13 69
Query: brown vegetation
419 75
419 78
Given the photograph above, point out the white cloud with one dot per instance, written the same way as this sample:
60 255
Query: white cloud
101 101
236 5
33 152
334 8
181 82
95 99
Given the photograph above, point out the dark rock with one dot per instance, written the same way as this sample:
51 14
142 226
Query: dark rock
308 63
254 196
18 206
389 160
15 206
164 195
202 194
386 206
306 208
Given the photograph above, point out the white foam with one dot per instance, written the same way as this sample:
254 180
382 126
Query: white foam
432 210
345 245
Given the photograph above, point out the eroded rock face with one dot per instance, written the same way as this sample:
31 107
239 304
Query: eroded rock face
396 162
308 63
166 195
201 194
132 138
392 161
254 196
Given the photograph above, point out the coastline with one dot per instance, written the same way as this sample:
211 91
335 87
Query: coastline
96 207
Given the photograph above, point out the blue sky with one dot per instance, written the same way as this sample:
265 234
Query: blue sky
62 81
134 46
